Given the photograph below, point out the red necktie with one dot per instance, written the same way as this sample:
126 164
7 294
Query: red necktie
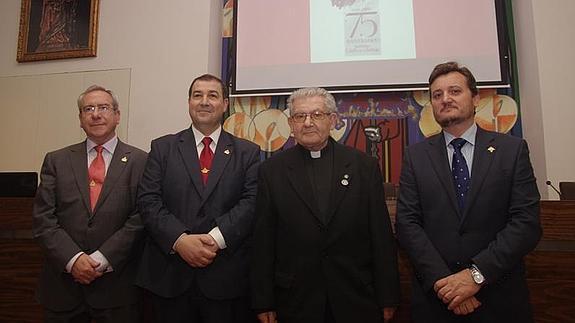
96 174
206 157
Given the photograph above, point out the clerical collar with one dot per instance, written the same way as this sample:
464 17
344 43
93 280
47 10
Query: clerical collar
319 153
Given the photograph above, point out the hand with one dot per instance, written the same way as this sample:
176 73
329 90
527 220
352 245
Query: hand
467 306
212 244
84 269
388 313
267 317
456 288
196 249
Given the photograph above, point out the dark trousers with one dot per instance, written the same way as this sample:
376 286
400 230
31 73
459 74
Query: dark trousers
86 314
193 307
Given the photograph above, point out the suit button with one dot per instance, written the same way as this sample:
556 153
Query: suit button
90 224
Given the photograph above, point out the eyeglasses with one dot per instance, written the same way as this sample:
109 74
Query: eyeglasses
101 108
314 116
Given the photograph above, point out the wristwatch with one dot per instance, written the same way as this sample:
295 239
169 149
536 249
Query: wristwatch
477 275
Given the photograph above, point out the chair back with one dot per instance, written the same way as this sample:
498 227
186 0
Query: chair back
567 190
18 184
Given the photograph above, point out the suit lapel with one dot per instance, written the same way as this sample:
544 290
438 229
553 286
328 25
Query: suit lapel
300 182
223 154
79 163
482 158
340 173
189 152
440 163
120 160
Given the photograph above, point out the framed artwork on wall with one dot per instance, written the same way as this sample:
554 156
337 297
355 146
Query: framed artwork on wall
57 29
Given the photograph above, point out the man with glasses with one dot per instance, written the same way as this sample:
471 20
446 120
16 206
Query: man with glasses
85 220
323 245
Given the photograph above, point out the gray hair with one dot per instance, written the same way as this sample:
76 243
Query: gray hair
94 88
308 92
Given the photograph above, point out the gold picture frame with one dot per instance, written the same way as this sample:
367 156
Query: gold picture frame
57 29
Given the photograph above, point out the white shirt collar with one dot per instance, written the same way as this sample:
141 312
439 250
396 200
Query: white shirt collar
468 135
198 135
109 145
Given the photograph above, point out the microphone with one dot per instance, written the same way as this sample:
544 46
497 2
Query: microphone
554 188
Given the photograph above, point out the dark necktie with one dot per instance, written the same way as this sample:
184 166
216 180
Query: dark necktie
206 157
96 174
460 172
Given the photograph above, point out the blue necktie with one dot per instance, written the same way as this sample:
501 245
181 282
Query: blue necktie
460 172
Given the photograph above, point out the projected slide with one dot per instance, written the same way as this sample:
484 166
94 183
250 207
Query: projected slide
342 44
357 30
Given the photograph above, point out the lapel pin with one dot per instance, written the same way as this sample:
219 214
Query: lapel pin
491 149
345 180
124 159
227 151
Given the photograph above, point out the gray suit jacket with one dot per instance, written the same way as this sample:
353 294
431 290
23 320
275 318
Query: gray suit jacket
64 225
497 228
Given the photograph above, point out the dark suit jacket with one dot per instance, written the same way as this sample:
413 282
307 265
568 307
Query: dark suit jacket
499 226
64 225
172 200
300 260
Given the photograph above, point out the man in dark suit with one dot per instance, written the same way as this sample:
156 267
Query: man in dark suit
468 212
86 221
197 200
323 245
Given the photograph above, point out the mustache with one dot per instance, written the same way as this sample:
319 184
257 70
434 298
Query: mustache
448 106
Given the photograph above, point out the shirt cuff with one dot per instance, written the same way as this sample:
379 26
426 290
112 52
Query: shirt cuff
104 266
72 261
217 235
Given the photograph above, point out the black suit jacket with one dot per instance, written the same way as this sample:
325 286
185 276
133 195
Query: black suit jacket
497 228
172 200
64 225
300 260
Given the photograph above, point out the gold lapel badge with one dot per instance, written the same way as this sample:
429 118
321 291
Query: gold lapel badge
204 170
124 159
227 151
491 149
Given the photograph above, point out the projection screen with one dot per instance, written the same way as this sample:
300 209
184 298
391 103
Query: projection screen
364 45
